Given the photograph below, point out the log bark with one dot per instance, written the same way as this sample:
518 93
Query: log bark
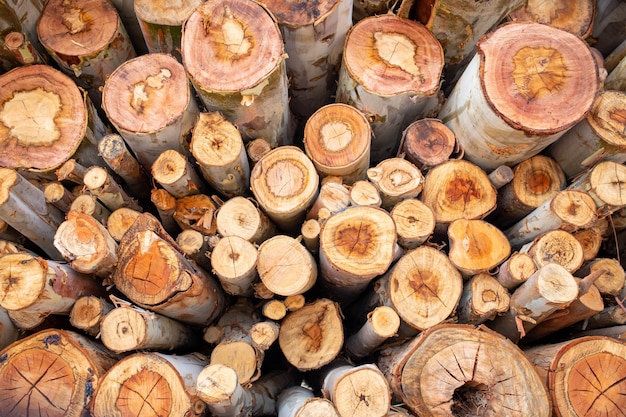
219 150
483 298
241 217
45 120
87 245
161 24
234 262
567 210
175 173
52 372
524 84
113 150
8 330
476 246
576 17
285 183
611 279
558 247
605 182
396 179
535 181
458 189
150 383
128 328
71 171
101 184
428 142
300 401
608 28
414 221
364 193
357 390
90 52
356 245
312 336
87 314
120 221
196 212
149 101
501 176
241 70
152 273
382 323
598 137
126 10
195 246
23 207
310 232
285 266
337 138
165 204
314 43
516 270
584 376
390 71
89 205
461 370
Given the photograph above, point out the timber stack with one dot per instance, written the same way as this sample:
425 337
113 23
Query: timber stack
356 208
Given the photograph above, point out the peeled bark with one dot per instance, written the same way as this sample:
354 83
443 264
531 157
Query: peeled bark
483 299
101 184
575 17
53 372
428 142
396 179
415 222
196 212
221 155
87 314
461 370
234 262
337 138
242 217
240 71
149 101
528 84
113 150
382 323
390 71
176 174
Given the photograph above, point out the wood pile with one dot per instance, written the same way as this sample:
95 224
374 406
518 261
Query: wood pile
349 208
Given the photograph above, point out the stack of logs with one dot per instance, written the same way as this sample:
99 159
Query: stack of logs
330 208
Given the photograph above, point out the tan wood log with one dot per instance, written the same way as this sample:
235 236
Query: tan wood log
382 323
71 171
333 197
535 181
31 321
516 270
241 70
234 262
356 245
361 390
56 194
611 280
312 336
598 137
161 24
524 82
175 173
256 148
89 205
483 298
87 314
194 245
613 315
558 247
390 71
149 101
196 212
22 49
90 52
115 153
128 328
337 139
549 289
428 142
458 189
264 333
165 204
49 119
364 193
120 221
605 183
274 309
23 207
285 184
501 176
150 383
33 284
87 245
396 179
242 217
300 401
591 241
310 232
576 18
101 184
294 302
456 369
219 387
218 148
53 372
584 376
10 23
314 43
8 329
476 246
152 273
568 210
285 266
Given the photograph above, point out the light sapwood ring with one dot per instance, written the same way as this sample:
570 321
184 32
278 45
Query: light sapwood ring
87 313
337 138
285 266
43 118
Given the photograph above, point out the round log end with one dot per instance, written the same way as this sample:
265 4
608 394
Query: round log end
574 208
476 245
241 357
608 182
123 329
22 279
362 391
120 221
234 260
428 142
385 321
285 266
215 141
608 118
169 167
238 217
163 12
217 383
556 284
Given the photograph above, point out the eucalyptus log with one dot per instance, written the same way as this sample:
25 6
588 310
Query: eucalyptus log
113 150
337 138
176 174
391 71
590 241
149 101
234 262
56 194
126 10
8 329
256 148
516 270
483 298
611 279
100 183
242 217
87 313
120 221
605 182
396 179
89 205
364 193
196 212
525 84
194 245
575 17
428 142
414 221
240 70
274 309
556 247
501 176
608 26
382 323
300 401
71 171
165 204
22 49
332 198
310 232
